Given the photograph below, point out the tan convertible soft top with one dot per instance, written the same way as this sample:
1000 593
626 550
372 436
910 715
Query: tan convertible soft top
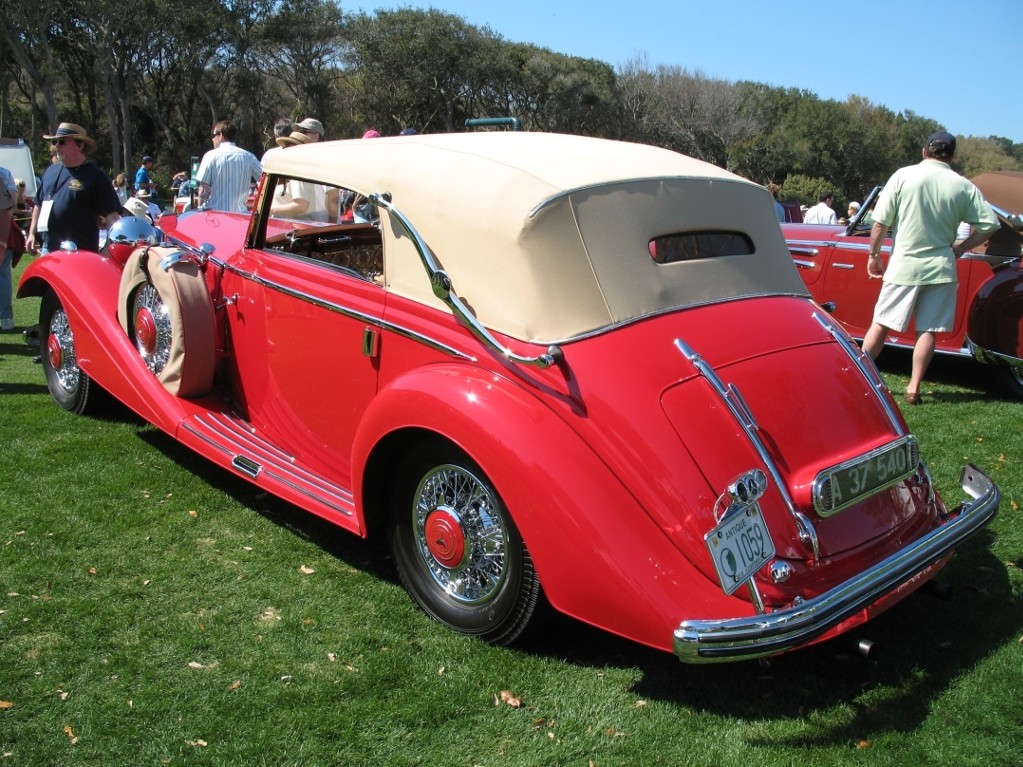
546 236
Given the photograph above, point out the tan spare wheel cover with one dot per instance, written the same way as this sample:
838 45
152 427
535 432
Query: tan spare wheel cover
190 364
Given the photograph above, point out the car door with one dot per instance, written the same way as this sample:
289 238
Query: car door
302 332
846 284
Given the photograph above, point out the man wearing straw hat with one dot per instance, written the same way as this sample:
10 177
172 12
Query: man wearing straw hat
75 194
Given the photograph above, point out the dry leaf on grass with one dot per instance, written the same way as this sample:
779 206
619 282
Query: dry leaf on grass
306 570
70 733
198 743
507 696
6 704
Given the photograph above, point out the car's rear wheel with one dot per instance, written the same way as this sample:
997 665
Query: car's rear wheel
456 548
1010 378
70 387
168 314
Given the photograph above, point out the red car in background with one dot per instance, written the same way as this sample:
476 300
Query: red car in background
989 305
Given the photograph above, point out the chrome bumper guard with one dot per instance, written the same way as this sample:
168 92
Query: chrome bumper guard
716 641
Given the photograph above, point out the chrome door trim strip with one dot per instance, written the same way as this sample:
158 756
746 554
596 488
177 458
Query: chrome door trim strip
350 313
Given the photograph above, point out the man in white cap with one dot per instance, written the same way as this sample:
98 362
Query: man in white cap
296 198
326 197
311 127
74 195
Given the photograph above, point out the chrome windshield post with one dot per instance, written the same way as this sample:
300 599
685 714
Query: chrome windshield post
444 290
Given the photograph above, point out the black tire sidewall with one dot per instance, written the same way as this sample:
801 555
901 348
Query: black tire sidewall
495 620
77 400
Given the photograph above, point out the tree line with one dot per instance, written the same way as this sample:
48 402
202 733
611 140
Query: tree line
152 79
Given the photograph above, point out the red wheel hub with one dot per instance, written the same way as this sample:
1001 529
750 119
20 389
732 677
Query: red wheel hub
145 331
445 538
54 351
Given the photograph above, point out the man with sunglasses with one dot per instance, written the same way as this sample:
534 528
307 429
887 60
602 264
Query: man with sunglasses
74 196
226 172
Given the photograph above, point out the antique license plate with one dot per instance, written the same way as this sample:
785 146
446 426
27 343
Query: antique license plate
847 483
739 545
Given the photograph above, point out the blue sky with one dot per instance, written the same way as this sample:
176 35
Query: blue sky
956 62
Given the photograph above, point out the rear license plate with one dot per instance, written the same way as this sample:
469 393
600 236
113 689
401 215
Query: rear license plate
865 475
739 546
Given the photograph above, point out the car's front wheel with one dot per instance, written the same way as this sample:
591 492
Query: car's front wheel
70 386
1010 378
456 548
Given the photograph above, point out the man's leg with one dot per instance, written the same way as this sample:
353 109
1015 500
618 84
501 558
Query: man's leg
923 351
873 342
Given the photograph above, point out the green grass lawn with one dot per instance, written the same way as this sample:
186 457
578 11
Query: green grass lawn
157 611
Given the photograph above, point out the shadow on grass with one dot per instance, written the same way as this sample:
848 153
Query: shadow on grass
969 380
920 646
363 554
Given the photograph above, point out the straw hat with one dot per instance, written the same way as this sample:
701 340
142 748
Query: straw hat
294 138
70 130
137 208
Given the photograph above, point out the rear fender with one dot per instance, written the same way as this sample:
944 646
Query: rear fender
600 556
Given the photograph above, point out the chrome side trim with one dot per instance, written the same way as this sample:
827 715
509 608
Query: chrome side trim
263 462
989 357
715 641
350 313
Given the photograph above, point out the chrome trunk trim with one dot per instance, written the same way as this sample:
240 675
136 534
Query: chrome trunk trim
866 367
730 395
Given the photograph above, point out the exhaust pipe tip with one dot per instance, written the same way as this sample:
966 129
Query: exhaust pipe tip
864 647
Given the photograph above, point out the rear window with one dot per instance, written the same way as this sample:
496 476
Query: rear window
692 246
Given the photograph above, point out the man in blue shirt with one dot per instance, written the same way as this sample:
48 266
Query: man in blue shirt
143 180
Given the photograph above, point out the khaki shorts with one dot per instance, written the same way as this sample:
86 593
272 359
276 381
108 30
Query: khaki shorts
931 307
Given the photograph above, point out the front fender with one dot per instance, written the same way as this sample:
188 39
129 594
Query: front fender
600 556
996 316
86 284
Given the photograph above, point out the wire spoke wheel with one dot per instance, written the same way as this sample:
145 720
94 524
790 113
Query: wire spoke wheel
457 549
70 387
152 328
460 534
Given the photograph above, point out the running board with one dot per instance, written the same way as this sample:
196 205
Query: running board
238 446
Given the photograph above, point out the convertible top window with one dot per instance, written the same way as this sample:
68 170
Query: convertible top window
691 246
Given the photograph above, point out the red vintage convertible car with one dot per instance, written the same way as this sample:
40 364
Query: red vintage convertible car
550 371
989 310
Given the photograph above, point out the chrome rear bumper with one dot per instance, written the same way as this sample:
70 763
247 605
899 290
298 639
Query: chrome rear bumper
715 641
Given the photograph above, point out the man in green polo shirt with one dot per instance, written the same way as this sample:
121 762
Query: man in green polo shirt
923 204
